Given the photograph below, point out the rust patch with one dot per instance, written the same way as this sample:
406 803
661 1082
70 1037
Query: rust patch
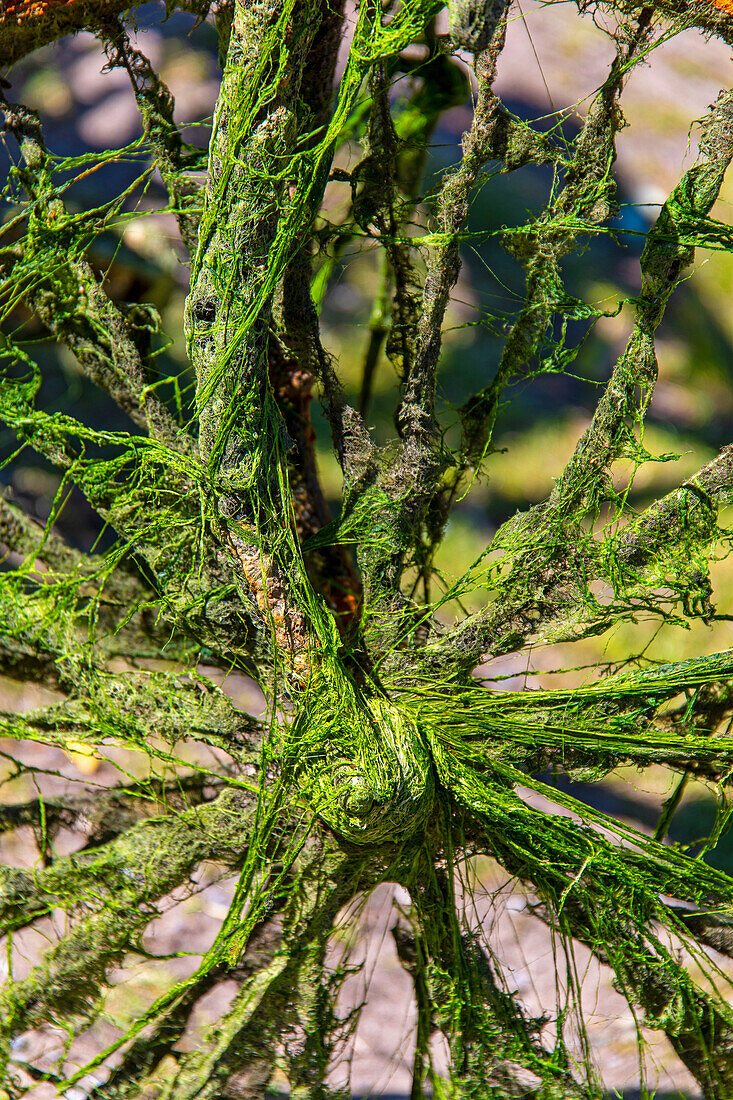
23 10
331 570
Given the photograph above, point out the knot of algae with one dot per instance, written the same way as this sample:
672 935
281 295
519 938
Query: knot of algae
362 765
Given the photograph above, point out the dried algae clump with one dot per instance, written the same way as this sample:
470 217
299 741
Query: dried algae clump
362 763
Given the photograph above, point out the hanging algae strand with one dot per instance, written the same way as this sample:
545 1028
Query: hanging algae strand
358 761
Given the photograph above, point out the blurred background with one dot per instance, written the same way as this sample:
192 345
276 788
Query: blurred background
553 62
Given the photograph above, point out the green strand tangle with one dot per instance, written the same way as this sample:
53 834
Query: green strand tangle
357 760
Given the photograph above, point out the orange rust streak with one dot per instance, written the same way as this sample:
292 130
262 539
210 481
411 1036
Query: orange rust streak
330 570
724 5
23 10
